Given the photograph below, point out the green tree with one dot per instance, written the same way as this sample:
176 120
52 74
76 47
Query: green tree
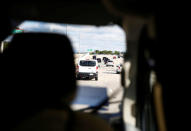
97 51
110 52
116 52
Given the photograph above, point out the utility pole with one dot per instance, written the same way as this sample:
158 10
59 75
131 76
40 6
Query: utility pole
79 42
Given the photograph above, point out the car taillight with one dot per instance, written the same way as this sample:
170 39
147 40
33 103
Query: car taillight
119 67
77 68
96 67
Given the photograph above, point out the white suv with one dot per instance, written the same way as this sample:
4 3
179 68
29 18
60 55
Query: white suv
110 63
87 69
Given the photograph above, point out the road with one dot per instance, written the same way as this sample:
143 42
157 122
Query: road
109 80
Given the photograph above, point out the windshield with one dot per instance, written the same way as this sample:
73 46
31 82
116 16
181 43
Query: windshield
89 43
87 63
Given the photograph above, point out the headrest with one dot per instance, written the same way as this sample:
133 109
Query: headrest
41 63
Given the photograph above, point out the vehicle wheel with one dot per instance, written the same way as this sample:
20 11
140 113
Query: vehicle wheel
96 78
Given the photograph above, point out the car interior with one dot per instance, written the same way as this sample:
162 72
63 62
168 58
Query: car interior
151 99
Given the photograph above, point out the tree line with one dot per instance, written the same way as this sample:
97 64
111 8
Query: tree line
108 52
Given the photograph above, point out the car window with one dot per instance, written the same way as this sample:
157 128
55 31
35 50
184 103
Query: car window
87 63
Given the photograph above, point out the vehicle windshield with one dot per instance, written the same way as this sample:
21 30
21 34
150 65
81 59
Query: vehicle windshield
87 63
94 85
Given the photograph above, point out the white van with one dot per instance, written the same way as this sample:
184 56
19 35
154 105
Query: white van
87 69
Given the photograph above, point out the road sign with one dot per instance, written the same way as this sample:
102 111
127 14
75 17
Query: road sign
15 31
89 50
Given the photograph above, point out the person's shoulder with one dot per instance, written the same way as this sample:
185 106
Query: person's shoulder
93 122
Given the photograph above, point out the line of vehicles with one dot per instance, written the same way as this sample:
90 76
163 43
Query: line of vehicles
88 68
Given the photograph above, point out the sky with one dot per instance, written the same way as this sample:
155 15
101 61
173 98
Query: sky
83 37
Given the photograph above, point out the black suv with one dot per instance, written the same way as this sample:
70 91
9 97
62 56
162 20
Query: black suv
99 60
94 57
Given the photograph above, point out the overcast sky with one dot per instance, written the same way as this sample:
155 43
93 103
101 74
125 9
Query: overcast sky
83 37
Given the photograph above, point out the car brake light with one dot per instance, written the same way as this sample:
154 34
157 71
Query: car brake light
96 67
77 68
119 67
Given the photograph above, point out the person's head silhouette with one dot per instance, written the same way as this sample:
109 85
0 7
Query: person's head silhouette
39 70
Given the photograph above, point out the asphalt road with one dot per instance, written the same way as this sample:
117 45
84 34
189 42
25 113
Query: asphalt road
109 80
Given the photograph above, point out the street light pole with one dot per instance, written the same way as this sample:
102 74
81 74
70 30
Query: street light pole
79 42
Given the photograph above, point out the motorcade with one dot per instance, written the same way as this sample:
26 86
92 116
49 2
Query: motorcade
151 35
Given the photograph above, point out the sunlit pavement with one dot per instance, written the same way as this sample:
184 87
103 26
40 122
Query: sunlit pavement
108 80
